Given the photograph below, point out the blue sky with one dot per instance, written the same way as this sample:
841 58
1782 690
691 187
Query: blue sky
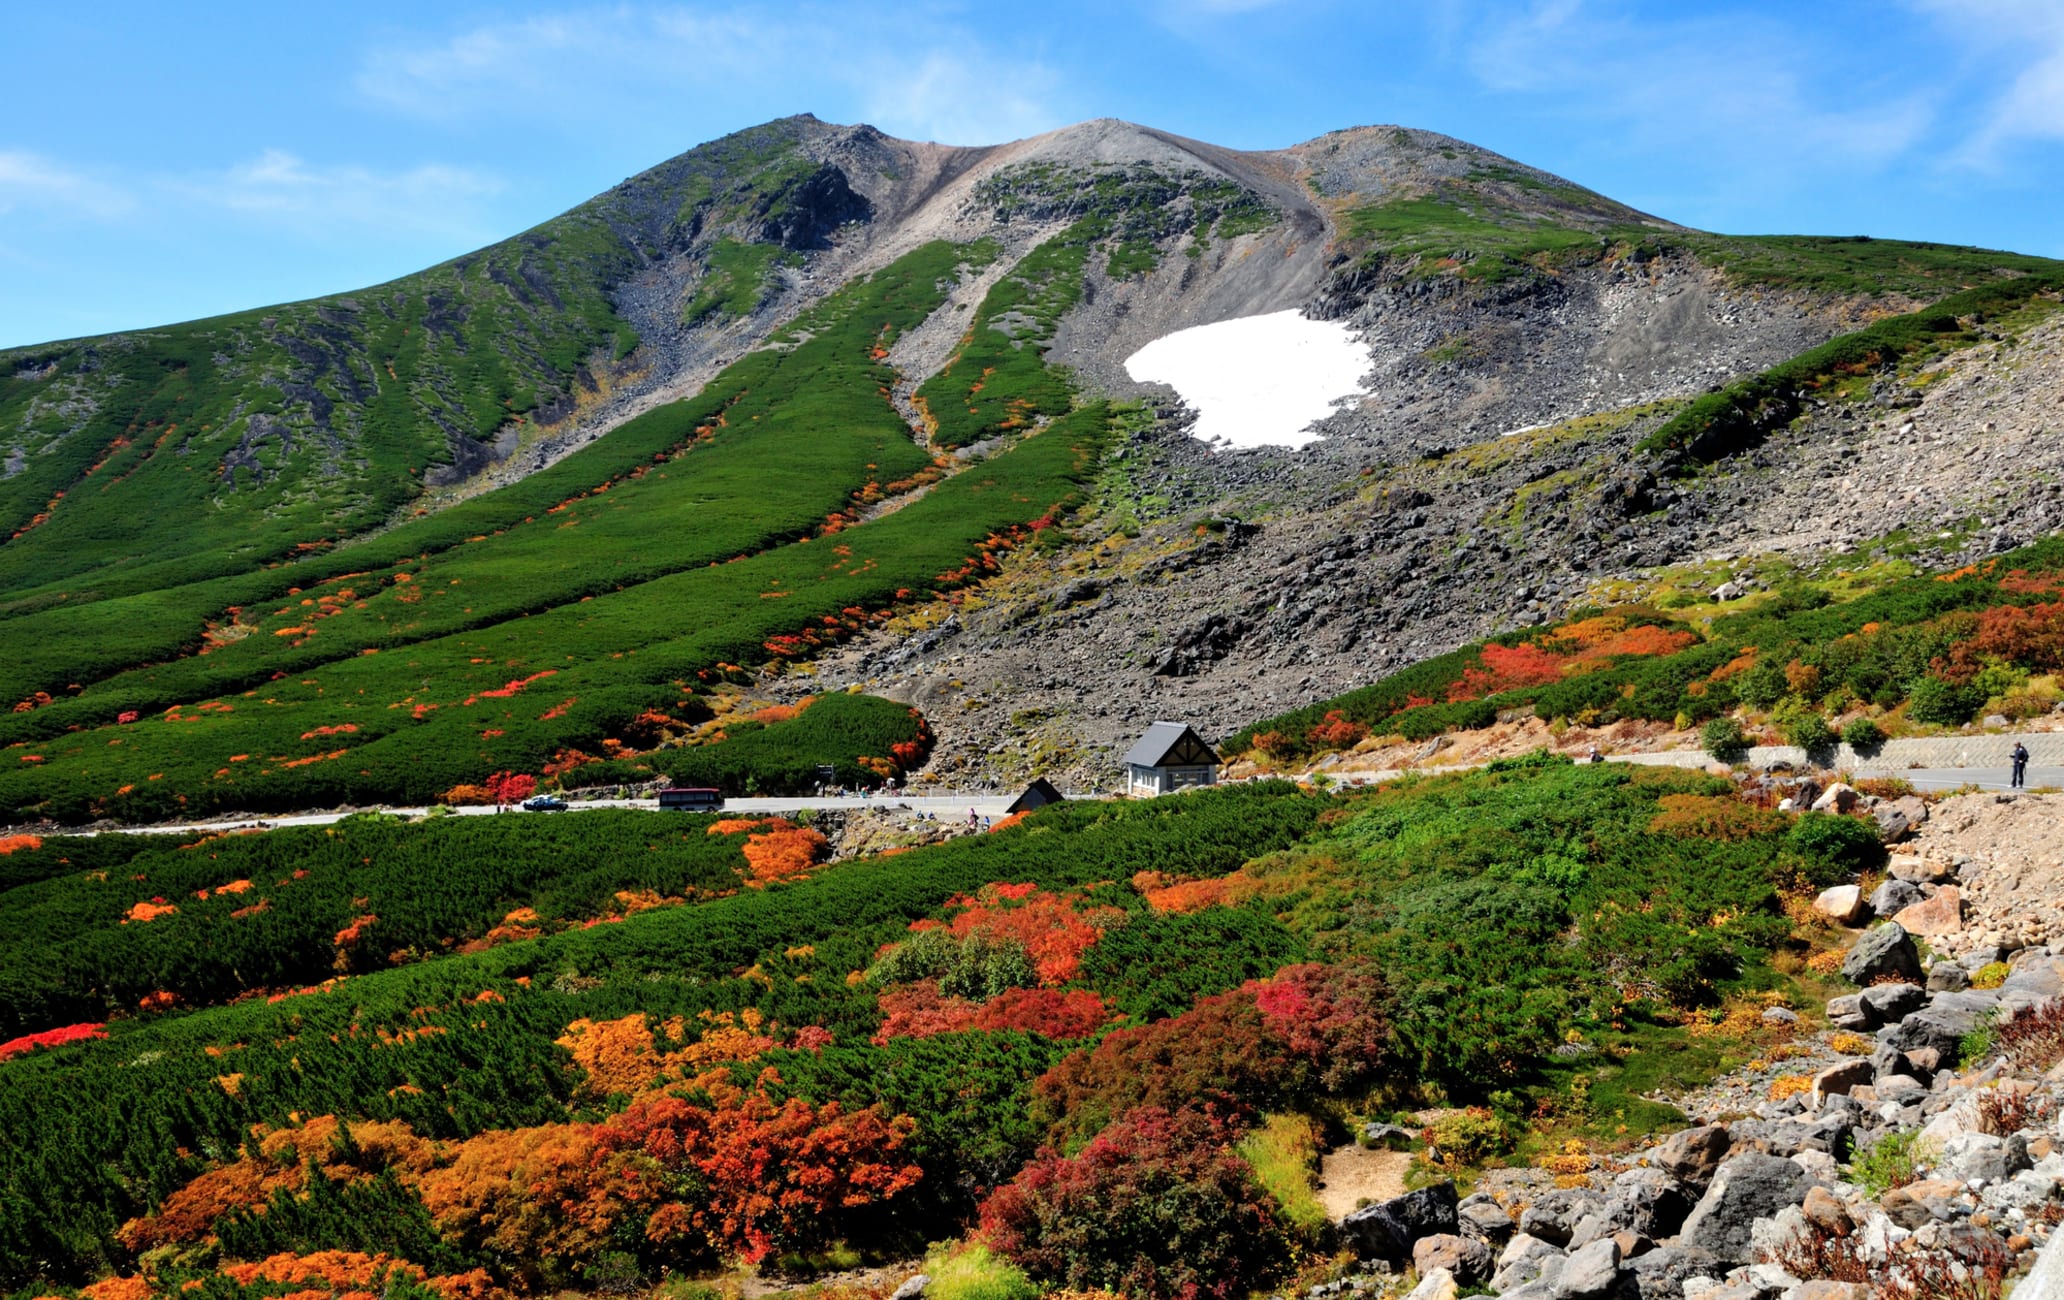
163 162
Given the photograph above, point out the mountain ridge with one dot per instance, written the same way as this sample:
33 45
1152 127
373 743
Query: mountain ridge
222 466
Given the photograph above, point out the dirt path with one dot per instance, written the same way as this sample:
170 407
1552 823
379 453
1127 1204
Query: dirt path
1352 1175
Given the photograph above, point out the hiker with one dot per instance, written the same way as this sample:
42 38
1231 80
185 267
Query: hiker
2020 757
1595 756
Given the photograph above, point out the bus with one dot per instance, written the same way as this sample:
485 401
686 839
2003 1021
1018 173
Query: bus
691 800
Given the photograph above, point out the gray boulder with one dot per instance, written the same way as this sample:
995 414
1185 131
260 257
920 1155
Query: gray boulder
1526 1260
1880 951
1648 1201
1555 1215
1591 1273
1894 1001
1850 1011
1745 1188
1470 1261
1484 1219
1660 1274
1895 895
1691 1155
1388 1230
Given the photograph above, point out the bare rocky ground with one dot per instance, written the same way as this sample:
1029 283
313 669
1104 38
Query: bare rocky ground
1218 586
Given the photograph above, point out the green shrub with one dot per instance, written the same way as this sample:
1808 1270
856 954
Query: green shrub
1835 848
1943 703
1894 1160
1724 740
1864 736
1810 732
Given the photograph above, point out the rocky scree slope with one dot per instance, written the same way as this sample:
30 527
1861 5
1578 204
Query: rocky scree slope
1492 297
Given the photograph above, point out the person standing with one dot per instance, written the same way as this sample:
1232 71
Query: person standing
2020 757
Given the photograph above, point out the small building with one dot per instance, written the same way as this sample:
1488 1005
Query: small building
1037 795
1168 758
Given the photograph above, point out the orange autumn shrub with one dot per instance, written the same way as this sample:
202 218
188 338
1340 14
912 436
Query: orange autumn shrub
920 1010
736 825
772 1176
534 1191
118 1288
1047 926
783 855
618 1056
27 843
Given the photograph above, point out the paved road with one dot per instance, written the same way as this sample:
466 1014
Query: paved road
1985 778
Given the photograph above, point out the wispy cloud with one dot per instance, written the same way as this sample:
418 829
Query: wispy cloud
1737 86
2015 55
283 189
910 70
30 181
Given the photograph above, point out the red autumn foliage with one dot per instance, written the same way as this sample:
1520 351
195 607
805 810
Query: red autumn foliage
51 1038
1506 668
1076 1013
1048 926
2029 636
1337 732
772 1176
9 843
1157 1206
920 1010
1308 1029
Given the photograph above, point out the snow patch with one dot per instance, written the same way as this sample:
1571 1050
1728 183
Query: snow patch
1260 381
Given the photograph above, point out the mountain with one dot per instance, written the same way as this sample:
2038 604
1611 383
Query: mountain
335 550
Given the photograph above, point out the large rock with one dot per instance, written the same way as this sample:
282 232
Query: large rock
1851 1012
1881 951
1554 1216
1893 823
1837 798
1469 1261
1940 915
1435 1284
1526 1260
1844 904
1893 895
1691 1155
1591 1273
1484 1219
1648 1201
1661 1273
1389 1229
1840 1079
1745 1188
1890 1002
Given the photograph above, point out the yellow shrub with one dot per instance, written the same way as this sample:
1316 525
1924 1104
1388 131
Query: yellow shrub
1789 1085
1989 976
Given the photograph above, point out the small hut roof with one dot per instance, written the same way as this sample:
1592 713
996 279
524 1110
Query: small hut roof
1165 739
1037 795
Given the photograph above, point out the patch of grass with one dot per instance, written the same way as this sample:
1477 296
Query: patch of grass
1894 1160
1284 1151
740 278
1443 236
974 1272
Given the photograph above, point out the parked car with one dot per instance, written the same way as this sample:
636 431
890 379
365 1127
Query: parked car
544 803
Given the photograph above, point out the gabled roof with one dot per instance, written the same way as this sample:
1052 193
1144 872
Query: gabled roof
1171 744
1037 795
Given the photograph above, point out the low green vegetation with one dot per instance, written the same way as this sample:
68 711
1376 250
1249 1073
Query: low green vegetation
738 281
862 738
1911 650
1723 423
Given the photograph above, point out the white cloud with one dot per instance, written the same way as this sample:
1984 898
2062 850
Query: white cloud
2016 46
279 188
911 70
32 182
1753 91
